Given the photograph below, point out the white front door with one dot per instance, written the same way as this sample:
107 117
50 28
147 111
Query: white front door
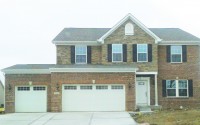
142 93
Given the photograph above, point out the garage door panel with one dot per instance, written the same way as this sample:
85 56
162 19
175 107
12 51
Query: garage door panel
99 98
31 100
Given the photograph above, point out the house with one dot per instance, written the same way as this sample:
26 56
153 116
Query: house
110 69
1 94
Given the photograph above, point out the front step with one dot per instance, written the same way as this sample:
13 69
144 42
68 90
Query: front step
144 108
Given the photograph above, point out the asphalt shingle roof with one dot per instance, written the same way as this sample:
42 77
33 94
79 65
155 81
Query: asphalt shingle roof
92 34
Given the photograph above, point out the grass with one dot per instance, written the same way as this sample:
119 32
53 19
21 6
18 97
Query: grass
170 117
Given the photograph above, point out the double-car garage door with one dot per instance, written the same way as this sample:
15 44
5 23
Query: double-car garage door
93 98
74 98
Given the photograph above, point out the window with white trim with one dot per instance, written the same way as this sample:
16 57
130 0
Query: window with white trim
81 54
117 53
129 29
23 88
142 53
176 54
117 87
70 87
177 88
86 87
39 88
100 87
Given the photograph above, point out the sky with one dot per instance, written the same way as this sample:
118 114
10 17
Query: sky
27 27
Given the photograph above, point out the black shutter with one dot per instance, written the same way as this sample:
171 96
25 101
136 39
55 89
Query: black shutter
72 54
89 54
164 88
124 53
134 52
109 51
190 85
149 52
184 53
168 53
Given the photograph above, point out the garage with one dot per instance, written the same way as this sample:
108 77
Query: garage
93 97
30 99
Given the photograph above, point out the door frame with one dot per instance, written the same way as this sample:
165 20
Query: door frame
148 88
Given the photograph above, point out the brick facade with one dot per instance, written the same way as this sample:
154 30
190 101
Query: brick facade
55 80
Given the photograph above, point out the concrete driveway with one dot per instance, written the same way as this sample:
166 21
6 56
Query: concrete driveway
68 118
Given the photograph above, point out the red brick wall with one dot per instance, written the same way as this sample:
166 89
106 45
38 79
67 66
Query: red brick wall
16 80
86 78
185 70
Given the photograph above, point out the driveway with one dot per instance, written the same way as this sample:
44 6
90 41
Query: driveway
68 118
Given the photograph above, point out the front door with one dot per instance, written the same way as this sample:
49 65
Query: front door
142 92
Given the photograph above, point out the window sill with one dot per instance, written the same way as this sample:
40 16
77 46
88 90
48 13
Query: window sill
176 62
177 97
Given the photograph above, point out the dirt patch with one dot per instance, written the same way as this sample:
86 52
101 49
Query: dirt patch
170 117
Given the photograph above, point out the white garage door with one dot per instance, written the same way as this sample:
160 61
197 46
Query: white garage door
30 99
93 98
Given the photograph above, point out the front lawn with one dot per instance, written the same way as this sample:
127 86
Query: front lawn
170 117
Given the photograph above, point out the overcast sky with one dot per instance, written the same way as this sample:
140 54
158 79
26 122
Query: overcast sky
27 27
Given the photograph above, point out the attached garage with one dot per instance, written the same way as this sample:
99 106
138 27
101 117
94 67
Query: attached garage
30 99
93 97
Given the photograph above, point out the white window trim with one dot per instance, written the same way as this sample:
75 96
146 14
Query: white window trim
81 54
142 52
177 90
176 54
117 53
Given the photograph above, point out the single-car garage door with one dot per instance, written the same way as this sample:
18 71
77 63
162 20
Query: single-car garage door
30 99
93 98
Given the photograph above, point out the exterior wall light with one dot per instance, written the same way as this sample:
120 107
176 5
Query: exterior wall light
129 85
9 87
57 87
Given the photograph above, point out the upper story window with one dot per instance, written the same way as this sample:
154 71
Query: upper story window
81 54
129 29
177 88
117 53
142 52
176 54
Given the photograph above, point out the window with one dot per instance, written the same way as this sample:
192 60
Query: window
86 87
116 87
117 52
23 88
70 87
39 88
101 87
176 54
142 53
177 88
129 29
81 54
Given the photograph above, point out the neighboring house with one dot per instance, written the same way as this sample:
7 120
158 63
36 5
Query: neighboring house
110 69
1 94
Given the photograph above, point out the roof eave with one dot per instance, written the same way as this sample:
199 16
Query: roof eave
76 42
179 42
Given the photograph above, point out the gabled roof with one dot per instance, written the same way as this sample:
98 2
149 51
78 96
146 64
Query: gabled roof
136 21
92 34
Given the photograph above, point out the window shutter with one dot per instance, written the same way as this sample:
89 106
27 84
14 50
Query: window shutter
109 51
134 52
184 53
190 85
124 53
164 94
168 53
149 52
89 54
72 54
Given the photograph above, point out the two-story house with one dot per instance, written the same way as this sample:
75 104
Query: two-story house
110 69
